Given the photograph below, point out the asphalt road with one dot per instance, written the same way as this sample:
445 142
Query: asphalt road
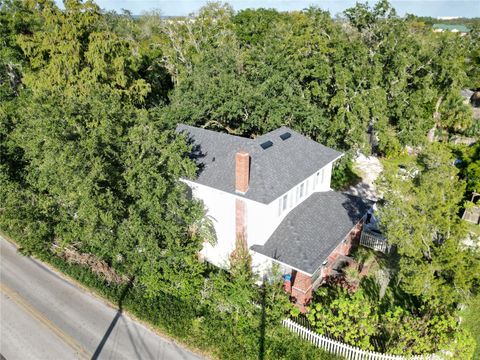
44 316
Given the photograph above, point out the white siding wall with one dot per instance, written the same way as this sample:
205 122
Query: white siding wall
262 264
220 206
262 219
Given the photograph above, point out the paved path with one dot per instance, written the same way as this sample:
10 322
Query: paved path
44 316
369 168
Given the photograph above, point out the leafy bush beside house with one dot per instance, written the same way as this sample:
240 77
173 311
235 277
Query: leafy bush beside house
348 317
344 174
393 323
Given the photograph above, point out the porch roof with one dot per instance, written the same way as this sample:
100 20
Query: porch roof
311 231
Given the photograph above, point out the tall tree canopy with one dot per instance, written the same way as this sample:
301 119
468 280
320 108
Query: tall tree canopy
95 169
250 72
420 217
89 160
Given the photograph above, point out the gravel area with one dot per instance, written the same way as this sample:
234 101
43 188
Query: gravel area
368 168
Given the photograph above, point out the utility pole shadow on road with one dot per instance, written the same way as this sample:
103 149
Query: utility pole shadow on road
102 343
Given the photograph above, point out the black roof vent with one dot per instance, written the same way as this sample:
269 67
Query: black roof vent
285 136
266 144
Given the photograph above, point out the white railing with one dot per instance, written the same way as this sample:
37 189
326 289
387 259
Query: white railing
373 241
347 351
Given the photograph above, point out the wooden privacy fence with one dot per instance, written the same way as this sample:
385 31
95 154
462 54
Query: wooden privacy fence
374 241
347 351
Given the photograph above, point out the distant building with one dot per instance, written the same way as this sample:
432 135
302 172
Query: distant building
455 28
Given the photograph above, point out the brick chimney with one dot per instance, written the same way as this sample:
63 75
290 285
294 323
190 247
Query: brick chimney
242 171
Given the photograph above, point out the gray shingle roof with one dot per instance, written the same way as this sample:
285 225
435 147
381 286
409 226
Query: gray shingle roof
311 231
273 171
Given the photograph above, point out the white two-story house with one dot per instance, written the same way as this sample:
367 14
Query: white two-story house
274 191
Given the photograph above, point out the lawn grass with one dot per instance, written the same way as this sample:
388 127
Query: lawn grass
471 322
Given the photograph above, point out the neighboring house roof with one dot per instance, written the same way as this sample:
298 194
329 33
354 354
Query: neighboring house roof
451 27
311 231
273 170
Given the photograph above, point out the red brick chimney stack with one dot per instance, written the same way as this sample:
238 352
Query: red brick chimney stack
242 171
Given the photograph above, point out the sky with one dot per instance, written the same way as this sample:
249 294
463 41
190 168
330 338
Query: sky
434 8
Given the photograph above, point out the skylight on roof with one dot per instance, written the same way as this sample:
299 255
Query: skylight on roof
285 136
265 145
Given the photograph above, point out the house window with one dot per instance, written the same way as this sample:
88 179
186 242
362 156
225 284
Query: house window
323 176
284 202
302 189
315 180
307 187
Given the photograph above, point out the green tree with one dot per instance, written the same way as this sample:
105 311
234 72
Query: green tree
420 216
470 166
75 49
183 42
101 174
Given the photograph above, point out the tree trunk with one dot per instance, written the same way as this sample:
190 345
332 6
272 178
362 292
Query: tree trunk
436 117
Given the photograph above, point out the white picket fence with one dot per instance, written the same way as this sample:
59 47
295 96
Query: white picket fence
374 241
347 351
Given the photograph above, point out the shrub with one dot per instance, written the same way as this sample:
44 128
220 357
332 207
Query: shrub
348 317
343 174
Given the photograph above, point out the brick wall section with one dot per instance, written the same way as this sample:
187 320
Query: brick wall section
344 248
301 284
356 233
240 219
302 290
242 171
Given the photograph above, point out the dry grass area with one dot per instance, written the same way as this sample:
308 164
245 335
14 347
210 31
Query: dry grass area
99 267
